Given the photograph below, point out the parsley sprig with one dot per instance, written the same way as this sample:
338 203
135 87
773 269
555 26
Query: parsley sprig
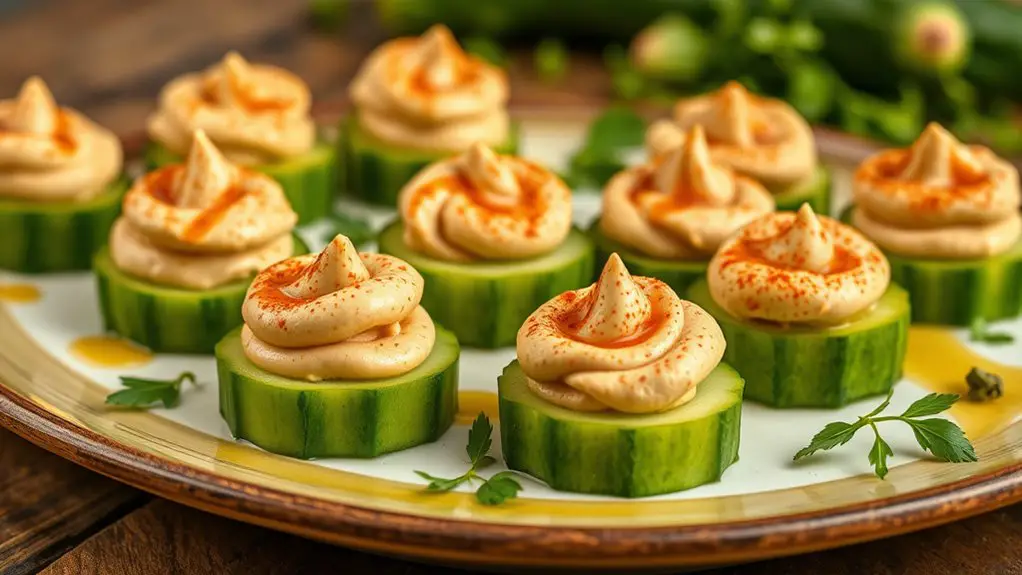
941 437
980 331
492 491
142 393
355 228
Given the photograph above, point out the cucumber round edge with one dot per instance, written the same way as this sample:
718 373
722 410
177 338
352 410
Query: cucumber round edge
309 181
336 418
821 367
679 274
485 303
815 191
44 237
168 319
622 454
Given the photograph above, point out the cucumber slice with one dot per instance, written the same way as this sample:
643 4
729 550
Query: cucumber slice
957 292
485 303
816 367
309 181
338 418
168 319
622 454
41 237
679 274
815 191
375 171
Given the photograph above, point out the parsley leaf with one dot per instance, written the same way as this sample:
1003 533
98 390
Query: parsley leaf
943 439
479 439
440 483
356 229
143 393
879 453
498 489
979 331
832 435
931 404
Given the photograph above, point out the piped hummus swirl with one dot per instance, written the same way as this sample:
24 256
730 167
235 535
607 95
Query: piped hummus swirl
798 268
338 314
625 343
762 138
202 224
53 154
682 205
427 93
938 199
481 205
255 114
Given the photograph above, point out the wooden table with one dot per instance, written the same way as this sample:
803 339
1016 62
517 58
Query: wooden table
109 59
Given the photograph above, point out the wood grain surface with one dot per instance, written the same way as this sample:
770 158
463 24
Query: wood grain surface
109 58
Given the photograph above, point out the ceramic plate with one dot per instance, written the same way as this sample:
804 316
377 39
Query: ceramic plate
56 367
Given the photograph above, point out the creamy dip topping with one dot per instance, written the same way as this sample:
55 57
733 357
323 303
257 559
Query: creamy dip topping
626 343
682 205
427 93
938 199
481 205
255 114
338 314
202 224
762 138
797 268
48 153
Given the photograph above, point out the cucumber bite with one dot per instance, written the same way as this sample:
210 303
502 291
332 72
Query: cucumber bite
484 303
335 418
625 455
815 192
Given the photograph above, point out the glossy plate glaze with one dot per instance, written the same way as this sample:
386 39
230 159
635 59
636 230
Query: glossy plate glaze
56 367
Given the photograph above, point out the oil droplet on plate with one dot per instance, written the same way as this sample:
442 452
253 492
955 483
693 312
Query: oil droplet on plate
109 351
19 293
470 403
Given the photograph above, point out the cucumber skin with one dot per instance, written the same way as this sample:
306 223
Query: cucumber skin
332 421
956 293
309 181
805 370
816 193
620 461
486 312
42 237
374 172
171 320
677 274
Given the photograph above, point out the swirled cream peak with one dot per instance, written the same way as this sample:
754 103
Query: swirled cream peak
254 113
797 268
938 199
427 93
625 343
202 224
48 153
338 314
762 138
481 205
662 136
682 205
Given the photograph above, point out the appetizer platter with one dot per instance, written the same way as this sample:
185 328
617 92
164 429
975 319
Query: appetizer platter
398 326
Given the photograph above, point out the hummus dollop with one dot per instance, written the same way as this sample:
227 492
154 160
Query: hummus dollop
338 314
626 343
256 114
481 205
427 93
798 268
202 224
762 138
682 205
938 199
53 154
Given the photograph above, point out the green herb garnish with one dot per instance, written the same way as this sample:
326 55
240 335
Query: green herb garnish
980 331
143 393
493 491
941 437
613 132
356 229
551 60
487 49
984 385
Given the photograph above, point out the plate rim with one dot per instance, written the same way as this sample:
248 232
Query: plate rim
467 542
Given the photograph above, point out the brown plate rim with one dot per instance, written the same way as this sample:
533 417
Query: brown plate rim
470 543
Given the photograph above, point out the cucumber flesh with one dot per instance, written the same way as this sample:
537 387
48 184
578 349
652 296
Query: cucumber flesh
375 171
485 303
309 181
42 237
338 418
679 274
816 367
622 454
168 319
815 191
